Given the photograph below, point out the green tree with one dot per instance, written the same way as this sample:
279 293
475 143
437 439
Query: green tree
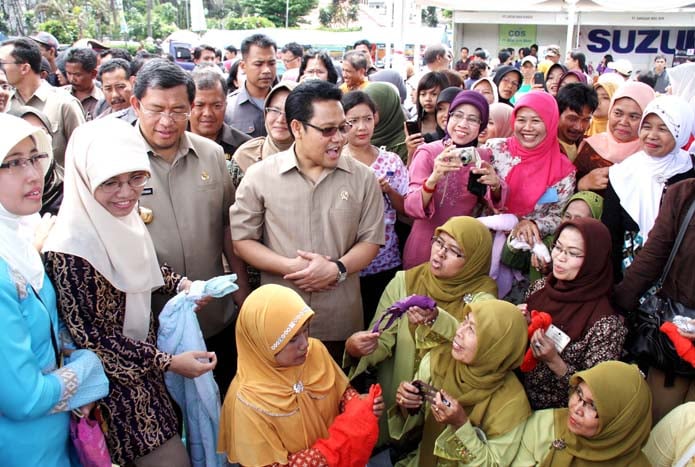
339 14
429 16
64 32
274 10
247 22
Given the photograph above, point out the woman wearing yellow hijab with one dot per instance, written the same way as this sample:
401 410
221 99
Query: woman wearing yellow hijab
480 396
607 422
287 390
456 274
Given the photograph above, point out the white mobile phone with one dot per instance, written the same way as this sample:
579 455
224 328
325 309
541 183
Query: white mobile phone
559 338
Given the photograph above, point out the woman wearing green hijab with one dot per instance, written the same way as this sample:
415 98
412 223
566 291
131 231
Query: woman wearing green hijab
478 416
607 422
456 274
388 132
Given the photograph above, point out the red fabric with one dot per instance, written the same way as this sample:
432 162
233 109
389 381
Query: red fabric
539 320
684 346
542 166
353 433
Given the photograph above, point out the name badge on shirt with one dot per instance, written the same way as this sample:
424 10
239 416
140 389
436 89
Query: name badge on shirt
147 191
550 196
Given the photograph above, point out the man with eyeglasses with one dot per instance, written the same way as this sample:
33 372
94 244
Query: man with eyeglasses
245 105
207 114
189 195
21 61
291 57
310 219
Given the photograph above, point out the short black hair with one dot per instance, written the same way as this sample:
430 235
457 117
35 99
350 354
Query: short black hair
198 51
475 69
524 52
533 46
355 98
159 73
660 56
113 65
84 56
480 53
576 96
357 59
259 40
647 77
207 78
362 42
433 52
118 53
464 48
231 49
296 49
141 58
300 102
325 59
26 50
504 55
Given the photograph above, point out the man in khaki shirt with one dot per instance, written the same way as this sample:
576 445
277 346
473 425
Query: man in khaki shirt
81 70
310 219
21 60
189 195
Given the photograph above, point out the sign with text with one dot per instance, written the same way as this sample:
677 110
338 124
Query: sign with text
516 35
626 40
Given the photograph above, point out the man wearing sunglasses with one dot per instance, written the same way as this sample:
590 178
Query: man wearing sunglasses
311 219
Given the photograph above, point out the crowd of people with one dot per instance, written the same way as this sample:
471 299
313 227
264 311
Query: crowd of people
437 269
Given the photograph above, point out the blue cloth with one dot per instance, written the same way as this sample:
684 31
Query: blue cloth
34 424
199 398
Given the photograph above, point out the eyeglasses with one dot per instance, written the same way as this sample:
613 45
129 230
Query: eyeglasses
574 254
3 63
448 251
286 61
7 87
18 165
113 185
175 116
274 111
458 117
586 405
329 131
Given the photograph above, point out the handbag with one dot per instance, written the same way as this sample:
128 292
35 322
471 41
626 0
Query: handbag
89 442
648 344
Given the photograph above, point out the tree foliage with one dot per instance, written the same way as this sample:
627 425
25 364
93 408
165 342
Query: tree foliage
247 22
429 16
340 14
274 10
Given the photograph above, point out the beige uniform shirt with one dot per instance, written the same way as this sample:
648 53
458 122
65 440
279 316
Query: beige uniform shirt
190 200
279 207
89 103
63 111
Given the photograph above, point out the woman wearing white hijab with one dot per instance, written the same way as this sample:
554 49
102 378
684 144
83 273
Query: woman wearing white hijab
36 395
102 260
637 185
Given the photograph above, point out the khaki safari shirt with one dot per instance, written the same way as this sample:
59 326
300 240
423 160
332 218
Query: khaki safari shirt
278 206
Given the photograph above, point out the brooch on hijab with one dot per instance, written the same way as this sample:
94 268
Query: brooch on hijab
559 444
146 214
298 387
468 298
660 178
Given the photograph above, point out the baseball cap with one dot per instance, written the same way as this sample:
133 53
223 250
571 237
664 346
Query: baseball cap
622 66
529 59
46 38
552 51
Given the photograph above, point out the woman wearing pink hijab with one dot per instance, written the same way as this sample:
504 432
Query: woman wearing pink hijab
539 177
598 152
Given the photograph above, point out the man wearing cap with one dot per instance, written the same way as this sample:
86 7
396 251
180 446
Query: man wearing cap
49 50
623 67
21 60
81 69
552 56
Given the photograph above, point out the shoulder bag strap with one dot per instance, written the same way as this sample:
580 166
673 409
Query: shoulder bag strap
676 244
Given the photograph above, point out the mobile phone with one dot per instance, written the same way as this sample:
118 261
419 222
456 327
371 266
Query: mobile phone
412 127
538 78
429 392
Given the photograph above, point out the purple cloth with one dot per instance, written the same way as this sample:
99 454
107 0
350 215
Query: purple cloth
397 310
